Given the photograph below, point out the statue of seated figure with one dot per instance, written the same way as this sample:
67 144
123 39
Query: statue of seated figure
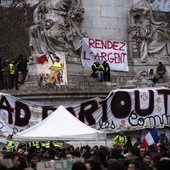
56 27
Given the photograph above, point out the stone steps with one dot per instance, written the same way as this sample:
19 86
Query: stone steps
79 81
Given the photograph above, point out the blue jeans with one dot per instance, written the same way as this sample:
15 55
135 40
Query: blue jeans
99 75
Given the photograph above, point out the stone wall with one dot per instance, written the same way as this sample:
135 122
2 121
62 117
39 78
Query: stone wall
106 19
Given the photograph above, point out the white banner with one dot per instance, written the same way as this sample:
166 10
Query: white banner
113 52
123 109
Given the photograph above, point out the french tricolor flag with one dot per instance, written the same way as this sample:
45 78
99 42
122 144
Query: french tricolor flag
151 138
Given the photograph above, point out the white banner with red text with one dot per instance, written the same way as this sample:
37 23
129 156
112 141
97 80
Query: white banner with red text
113 52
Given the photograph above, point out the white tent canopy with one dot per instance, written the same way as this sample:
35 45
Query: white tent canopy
60 125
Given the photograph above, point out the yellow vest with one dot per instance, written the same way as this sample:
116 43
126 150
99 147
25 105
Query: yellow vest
58 144
46 144
36 144
11 68
120 139
107 68
57 66
10 146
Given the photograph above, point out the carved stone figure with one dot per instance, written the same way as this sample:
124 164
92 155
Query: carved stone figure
57 27
16 2
148 37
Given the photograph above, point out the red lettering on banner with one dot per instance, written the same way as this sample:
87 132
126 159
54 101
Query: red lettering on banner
98 43
122 45
119 58
101 57
116 45
110 59
84 56
91 43
102 44
110 46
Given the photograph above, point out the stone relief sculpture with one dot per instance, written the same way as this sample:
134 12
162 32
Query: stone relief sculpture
148 36
57 27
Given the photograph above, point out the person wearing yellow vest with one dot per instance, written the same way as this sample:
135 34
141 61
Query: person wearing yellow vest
46 144
56 71
12 73
10 144
36 145
58 144
106 71
120 139
97 71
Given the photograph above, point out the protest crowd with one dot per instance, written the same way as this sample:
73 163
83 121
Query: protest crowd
13 72
122 156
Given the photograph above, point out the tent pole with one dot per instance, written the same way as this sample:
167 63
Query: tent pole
26 149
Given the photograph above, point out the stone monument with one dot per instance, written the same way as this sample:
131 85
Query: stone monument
149 38
56 33
57 27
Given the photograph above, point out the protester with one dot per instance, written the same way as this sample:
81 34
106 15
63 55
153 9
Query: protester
162 137
128 144
16 75
162 165
97 71
161 152
134 165
120 138
161 71
12 73
116 165
97 159
142 152
93 165
153 76
10 144
146 161
14 156
116 157
50 155
79 166
117 152
22 68
6 75
35 158
137 143
106 71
